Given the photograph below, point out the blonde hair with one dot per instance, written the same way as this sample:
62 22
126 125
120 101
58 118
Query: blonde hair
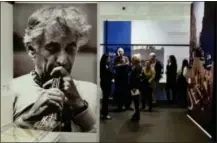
137 58
57 20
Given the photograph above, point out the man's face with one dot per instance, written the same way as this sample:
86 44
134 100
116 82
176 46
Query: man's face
133 60
121 52
152 58
108 60
55 51
147 64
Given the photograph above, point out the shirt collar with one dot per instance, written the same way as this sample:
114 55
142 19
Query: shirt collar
37 79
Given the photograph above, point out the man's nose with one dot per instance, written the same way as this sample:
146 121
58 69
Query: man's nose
62 58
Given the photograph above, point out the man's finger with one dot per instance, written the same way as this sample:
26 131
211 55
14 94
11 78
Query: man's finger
60 101
56 92
48 83
55 98
65 99
39 103
56 104
60 69
67 83
40 110
67 78
66 88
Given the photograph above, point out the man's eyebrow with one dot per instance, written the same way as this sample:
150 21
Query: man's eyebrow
72 44
52 44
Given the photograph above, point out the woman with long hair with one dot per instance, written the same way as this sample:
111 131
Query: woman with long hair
182 83
171 74
105 84
185 68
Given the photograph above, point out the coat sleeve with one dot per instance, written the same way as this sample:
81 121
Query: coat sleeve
87 119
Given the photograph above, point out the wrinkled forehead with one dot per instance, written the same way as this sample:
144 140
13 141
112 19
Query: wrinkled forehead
59 32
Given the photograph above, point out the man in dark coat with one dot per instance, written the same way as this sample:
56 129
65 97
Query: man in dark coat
121 79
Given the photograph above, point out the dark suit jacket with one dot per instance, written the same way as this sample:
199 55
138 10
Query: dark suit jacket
121 72
135 77
171 74
105 77
158 70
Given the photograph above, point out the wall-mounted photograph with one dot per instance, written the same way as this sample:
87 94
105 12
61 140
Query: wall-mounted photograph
55 67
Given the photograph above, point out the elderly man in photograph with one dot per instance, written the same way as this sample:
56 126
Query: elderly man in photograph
156 65
48 98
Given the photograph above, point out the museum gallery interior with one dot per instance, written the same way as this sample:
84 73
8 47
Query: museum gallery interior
150 65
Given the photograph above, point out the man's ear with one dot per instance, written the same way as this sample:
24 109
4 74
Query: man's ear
31 51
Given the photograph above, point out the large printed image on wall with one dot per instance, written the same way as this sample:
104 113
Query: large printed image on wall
200 88
54 45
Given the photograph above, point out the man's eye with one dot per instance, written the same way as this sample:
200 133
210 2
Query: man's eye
53 47
71 48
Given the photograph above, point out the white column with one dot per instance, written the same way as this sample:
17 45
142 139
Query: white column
6 43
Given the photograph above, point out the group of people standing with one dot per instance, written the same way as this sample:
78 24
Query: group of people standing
134 82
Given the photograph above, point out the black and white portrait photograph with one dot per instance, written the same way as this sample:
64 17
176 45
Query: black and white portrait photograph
55 55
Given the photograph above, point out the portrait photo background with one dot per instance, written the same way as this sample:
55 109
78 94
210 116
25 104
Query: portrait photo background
85 65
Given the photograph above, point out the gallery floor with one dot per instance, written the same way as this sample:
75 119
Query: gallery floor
164 124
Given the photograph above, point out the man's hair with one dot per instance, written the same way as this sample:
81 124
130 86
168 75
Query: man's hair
152 54
57 20
120 49
137 58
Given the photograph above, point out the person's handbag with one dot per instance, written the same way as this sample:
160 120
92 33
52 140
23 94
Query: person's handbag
135 92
